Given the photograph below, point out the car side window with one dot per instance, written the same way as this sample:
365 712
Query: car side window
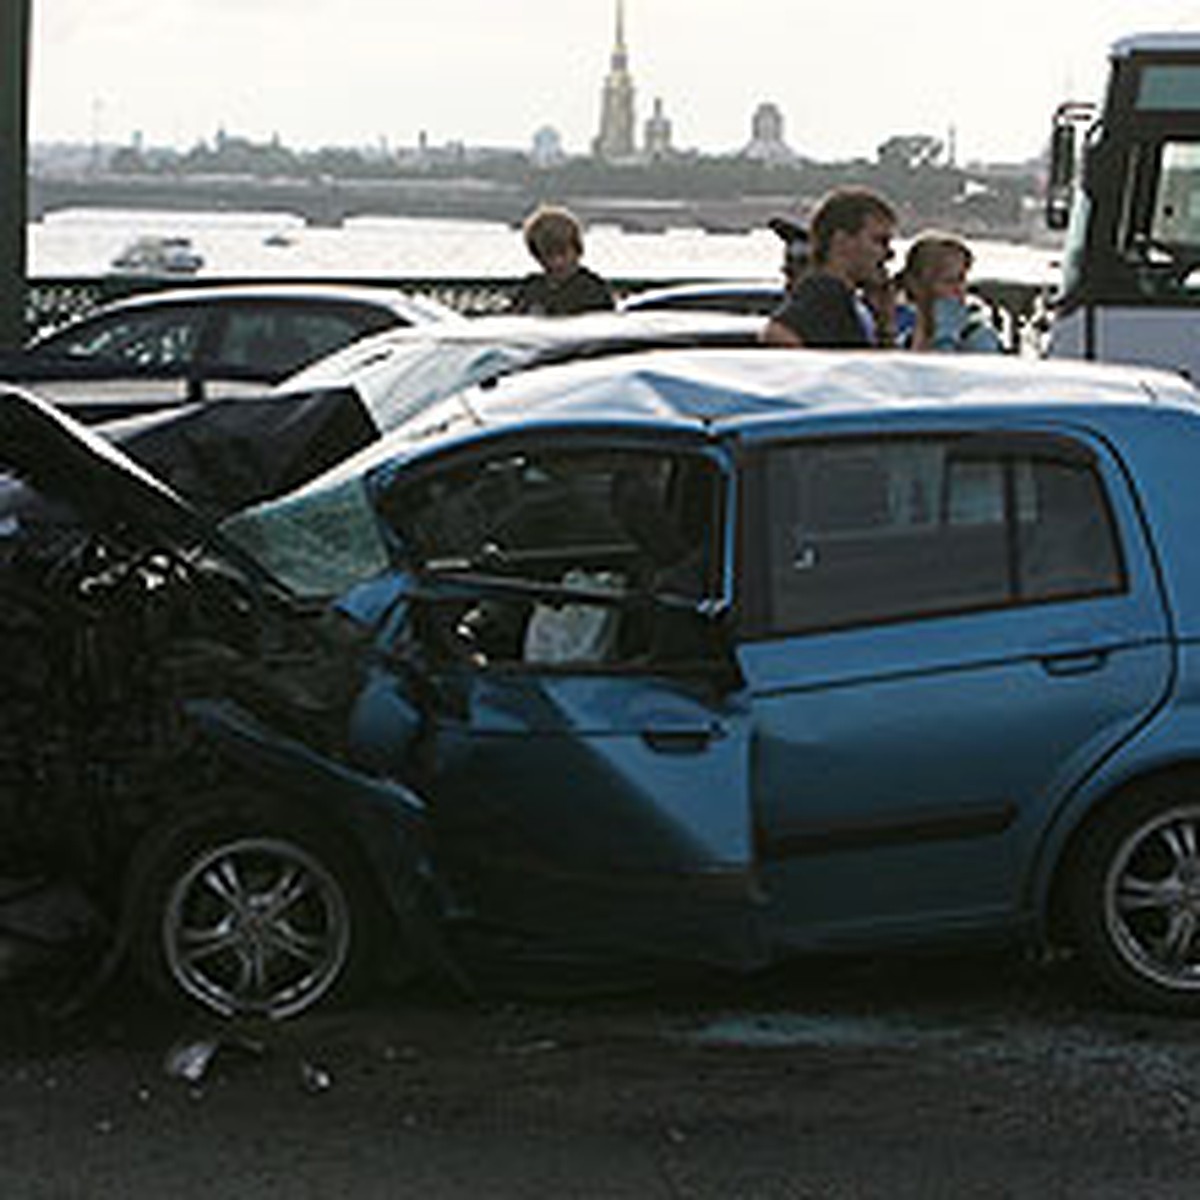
538 534
859 531
274 340
146 340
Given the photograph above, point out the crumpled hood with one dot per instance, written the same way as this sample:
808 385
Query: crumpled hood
69 464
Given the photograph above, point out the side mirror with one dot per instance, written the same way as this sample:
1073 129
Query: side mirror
1062 174
1064 157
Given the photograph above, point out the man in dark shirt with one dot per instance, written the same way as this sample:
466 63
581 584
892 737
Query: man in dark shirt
564 285
851 236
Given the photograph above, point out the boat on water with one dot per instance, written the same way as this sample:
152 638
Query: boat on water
153 255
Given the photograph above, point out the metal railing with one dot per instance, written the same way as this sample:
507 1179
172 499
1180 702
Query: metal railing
1020 308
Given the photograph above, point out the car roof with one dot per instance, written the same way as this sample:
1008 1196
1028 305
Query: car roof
734 291
760 392
392 299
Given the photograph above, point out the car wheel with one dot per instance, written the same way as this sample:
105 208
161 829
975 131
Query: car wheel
250 912
1135 899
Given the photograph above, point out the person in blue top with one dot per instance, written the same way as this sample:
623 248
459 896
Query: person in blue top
934 279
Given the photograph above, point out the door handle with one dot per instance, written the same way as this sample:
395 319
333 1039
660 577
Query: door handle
1079 663
679 741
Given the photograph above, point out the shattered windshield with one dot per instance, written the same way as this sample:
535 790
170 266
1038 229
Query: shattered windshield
324 538
318 542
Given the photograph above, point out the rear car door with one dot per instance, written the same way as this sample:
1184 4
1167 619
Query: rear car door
944 633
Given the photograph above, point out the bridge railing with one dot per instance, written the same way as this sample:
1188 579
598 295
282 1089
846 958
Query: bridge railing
1019 308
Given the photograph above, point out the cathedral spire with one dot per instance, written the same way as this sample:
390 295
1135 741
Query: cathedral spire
615 139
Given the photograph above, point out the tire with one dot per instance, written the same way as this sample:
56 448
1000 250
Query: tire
249 910
1134 898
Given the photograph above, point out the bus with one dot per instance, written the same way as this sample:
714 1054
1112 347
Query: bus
1124 180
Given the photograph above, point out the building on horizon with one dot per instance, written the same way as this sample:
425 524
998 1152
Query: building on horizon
656 136
767 143
547 149
615 141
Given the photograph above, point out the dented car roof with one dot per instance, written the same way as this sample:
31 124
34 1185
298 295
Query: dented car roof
707 389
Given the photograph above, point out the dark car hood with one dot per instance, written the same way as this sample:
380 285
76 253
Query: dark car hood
227 455
68 464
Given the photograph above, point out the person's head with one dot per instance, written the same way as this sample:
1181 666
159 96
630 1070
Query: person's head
797 253
936 268
555 239
851 232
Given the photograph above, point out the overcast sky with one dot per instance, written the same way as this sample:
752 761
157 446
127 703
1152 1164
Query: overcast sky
845 73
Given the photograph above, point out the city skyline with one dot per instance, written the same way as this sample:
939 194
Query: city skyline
376 71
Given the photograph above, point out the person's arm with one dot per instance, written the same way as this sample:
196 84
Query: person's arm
958 326
776 333
948 319
980 337
881 300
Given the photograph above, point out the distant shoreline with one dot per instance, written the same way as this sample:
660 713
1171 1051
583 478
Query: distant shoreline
331 203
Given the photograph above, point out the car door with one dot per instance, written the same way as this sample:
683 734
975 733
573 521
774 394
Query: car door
943 634
590 752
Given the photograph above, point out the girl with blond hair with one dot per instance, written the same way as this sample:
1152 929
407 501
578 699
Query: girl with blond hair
934 279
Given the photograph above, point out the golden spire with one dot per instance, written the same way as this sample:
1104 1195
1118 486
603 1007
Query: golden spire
620 58
616 137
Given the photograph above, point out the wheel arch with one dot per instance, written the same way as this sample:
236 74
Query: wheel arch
381 825
1084 817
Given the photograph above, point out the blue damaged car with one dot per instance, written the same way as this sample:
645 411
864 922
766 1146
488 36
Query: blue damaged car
704 657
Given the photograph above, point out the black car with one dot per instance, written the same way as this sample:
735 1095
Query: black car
189 344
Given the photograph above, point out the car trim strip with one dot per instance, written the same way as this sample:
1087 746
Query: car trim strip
929 825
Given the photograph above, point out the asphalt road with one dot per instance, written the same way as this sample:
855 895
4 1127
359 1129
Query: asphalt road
977 1077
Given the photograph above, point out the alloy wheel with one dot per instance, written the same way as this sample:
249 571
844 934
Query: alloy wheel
1152 899
256 927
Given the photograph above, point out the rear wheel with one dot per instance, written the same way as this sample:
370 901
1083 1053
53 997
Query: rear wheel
1135 898
249 911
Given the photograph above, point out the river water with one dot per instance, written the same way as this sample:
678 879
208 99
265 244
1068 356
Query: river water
84 242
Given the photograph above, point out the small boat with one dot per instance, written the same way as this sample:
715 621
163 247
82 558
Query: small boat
279 238
159 256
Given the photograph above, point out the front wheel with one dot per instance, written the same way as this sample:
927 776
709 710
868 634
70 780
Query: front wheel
249 912
1135 899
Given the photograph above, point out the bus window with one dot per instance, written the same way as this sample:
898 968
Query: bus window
1176 214
1167 87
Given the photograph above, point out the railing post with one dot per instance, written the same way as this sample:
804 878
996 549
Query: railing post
14 157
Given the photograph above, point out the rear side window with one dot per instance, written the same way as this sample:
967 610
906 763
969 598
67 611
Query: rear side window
861 531
273 340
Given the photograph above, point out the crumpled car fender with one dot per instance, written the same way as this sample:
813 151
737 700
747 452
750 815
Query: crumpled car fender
387 821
